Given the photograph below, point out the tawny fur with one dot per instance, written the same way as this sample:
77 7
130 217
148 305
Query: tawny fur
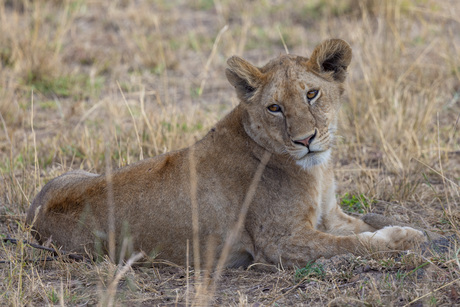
293 218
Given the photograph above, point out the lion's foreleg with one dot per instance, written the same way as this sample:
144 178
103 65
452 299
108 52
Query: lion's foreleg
301 248
338 223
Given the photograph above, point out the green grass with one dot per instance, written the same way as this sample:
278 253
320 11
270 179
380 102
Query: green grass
78 86
354 204
311 270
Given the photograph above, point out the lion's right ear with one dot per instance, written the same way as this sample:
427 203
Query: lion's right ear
244 76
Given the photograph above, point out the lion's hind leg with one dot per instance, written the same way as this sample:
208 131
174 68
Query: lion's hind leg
58 213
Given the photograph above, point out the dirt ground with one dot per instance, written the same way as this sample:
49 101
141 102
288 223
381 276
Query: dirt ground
91 84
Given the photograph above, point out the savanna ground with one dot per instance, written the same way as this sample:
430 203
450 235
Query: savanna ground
93 84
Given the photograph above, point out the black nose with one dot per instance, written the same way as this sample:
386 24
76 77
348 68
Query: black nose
307 141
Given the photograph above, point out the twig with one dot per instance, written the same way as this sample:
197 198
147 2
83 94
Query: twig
31 261
56 252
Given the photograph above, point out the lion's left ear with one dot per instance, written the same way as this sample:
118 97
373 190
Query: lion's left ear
331 56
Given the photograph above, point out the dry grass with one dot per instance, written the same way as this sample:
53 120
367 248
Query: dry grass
84 82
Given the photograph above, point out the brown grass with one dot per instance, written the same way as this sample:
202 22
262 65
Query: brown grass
90 83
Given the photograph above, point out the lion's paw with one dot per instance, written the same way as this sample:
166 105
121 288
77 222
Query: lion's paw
396 237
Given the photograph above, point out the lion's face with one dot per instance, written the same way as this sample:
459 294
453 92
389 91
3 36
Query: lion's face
296 111
292 102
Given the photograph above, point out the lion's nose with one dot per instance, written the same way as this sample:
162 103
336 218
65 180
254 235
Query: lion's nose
306 141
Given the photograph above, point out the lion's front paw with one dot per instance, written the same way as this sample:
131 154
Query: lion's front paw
396 238
379 222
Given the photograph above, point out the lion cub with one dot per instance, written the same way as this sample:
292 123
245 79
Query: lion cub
284 126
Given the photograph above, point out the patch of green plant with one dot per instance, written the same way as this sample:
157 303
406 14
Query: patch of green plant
400 275
416 269
203 4
445 220
46 159
195 127
60 86
182 127
5 56
198 41
78 86
259 37
318 9
71 150
126 87
120 156
175 44
388 263
353 203
77 5
53 296
48 105
195 92
158 69
311 270
16 162
288 37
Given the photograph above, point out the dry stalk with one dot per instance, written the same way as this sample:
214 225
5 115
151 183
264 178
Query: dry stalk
36 165
236 231
431 292
195 212
112 288
210 58
110 207
139 143
282 40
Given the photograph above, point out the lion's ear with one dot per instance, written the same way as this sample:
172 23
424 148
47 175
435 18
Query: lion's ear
331 56
244 76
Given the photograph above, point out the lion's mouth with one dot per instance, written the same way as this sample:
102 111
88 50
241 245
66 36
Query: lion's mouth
312 158
310 154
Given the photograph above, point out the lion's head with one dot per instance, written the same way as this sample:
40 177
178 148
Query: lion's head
292 101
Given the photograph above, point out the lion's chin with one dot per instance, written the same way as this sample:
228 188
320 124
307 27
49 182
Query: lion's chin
314 158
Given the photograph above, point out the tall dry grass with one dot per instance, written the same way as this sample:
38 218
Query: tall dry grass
86 84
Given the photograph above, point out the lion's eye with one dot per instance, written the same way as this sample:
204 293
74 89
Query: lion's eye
274 108
312 94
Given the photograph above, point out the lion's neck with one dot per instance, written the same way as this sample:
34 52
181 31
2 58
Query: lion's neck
237 121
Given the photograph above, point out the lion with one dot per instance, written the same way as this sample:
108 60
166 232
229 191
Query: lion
266 167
